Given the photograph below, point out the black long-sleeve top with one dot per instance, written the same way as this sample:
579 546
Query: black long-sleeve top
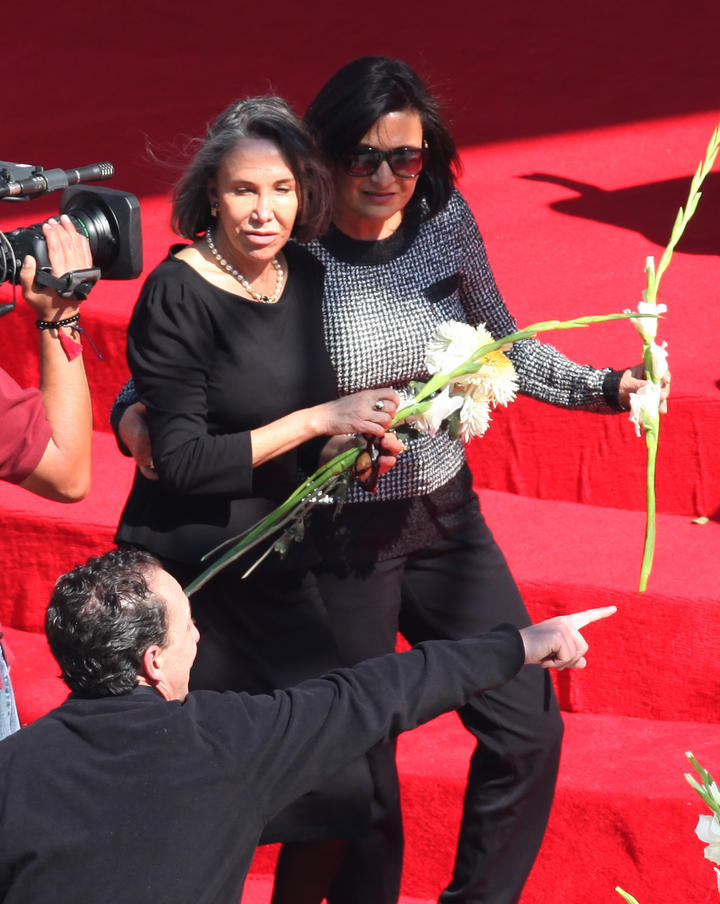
136 800
212 366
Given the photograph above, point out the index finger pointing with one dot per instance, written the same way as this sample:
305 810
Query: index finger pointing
580 619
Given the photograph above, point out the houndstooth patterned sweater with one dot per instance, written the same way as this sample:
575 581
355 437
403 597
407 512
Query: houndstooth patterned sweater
383 301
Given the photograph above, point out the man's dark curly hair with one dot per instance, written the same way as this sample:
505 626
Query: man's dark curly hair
102 618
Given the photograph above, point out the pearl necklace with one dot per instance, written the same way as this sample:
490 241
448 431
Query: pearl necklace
258 296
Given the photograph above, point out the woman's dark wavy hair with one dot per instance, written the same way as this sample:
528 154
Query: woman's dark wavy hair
102 618
255 117
368 88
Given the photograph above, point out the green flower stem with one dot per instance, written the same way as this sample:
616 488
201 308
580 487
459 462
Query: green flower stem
279 517
651 442
325 477
707 782
684 215
652 435
440 381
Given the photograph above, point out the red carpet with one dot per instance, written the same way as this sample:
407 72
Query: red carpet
580 126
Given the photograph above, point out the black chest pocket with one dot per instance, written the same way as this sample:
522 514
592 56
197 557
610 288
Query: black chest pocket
442 288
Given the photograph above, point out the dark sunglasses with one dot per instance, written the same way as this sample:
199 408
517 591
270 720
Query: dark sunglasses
364 160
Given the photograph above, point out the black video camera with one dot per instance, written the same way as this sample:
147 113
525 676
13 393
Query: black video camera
109 218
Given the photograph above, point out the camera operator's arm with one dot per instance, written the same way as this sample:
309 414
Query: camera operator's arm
63 473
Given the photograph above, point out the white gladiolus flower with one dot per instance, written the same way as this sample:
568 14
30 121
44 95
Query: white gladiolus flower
495 380
442 406
659 360
708 831
645 406
647 326
474 417
451 346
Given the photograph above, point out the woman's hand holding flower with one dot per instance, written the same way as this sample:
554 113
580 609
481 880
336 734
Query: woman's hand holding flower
634 379
370 412
390 448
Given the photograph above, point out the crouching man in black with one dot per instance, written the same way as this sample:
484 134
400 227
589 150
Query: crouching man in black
136 791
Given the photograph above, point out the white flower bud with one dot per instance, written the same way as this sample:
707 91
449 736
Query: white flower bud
658 354
442 406
708 831
647 326
645 406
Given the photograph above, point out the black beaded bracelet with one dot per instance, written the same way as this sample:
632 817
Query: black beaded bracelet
54 324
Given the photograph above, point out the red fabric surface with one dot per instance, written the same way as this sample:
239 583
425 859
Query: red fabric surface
579 129
658 656
34 674
44 539
623 813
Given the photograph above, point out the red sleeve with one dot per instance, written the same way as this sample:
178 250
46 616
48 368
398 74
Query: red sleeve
24 430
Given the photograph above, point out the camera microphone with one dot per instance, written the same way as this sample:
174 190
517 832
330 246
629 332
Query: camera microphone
55 180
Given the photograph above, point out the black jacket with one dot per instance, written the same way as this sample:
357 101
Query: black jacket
133 799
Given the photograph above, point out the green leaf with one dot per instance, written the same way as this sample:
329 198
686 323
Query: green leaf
406 432
702 519
452 425
626 896
694 201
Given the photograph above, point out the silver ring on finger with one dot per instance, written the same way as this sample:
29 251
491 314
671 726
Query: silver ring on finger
379 405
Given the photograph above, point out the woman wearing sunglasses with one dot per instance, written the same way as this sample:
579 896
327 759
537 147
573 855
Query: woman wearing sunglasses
403 254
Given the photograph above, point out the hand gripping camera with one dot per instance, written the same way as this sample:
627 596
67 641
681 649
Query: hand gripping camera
110 219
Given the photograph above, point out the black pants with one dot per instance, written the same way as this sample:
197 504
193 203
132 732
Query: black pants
266 632
459 587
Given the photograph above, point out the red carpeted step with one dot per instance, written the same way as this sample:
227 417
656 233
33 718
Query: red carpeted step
662 645
535 449
623 813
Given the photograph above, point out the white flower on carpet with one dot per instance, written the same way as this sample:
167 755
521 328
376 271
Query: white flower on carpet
443 405
474 417
645 406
